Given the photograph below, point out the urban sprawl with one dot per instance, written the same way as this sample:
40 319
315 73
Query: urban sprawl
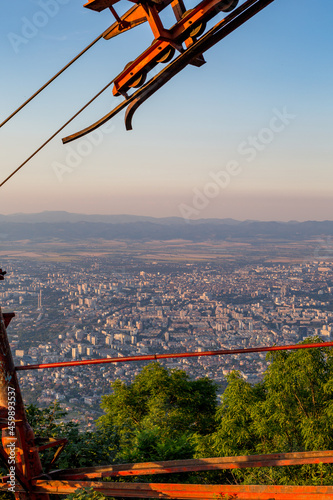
93 308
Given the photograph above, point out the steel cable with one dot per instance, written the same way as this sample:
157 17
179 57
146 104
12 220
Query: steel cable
53 78
56 133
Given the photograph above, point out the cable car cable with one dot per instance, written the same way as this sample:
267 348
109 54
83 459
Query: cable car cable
56 133
53 78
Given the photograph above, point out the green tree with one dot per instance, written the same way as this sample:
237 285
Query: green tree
86 494
159 414
83 449
291 410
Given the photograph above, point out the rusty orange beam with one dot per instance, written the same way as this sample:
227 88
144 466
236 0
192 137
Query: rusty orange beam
196 465
7 317
17 437
220 352
188 491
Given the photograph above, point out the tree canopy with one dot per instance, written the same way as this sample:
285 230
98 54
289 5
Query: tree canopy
290 410
164 415
159 413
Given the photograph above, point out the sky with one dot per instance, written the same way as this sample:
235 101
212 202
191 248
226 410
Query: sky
248 135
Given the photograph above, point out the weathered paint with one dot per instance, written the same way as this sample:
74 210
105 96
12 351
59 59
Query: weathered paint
220 352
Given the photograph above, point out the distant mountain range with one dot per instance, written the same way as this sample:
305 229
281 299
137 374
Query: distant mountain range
62 216
64 226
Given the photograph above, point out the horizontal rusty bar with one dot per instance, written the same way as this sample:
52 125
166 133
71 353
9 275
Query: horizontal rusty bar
220 352
50 444
195 465
189 491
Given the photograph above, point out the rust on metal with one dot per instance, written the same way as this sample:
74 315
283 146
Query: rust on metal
223 28
196 465
18 437
189 491
7 317
220 352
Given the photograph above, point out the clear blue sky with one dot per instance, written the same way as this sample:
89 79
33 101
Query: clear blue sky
211 143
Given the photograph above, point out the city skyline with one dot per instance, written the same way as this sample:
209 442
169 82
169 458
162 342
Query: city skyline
248 134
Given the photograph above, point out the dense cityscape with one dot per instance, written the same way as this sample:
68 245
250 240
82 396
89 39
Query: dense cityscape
99 308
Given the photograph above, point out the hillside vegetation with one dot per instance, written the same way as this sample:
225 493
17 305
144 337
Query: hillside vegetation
164 415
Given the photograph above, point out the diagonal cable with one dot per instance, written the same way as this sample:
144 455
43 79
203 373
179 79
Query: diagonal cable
52 79
56 133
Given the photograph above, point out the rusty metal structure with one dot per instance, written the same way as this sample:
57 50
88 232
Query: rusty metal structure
186 37
177 47
19 450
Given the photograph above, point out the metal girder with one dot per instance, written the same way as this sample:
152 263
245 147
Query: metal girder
154 357
196 465
7 317
223 28
17 437
208 40
132 18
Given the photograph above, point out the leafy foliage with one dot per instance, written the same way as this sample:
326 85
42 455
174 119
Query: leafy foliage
86 494
83 448
158 415
163 415
291 410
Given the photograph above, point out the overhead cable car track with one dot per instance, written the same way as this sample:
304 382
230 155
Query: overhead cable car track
223 28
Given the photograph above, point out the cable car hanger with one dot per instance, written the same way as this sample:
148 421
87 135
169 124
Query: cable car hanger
186 37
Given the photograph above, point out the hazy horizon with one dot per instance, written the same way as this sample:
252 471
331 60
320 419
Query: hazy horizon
247 136
122 214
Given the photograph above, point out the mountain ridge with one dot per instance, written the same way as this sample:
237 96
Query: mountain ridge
34 227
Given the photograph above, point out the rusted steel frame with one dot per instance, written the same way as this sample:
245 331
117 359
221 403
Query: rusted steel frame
51 444
18 473
99 5
3 457
214 35
132 18
154 21
179 33
142 62
203 464
138 14
7 317
173 68
27 464
204 11
189 491
59 443
153 357
178 8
